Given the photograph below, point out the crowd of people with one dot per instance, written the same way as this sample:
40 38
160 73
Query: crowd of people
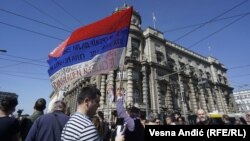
201 118
88 124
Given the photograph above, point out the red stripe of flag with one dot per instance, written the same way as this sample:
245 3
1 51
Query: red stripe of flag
107 25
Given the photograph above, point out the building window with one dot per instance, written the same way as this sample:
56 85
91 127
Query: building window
157 46
159 57
135 48
136 75
219 78
192 70
182 66
135 54
180 57
135 43
136 96
134 21
121 74
208 76
225 80
200 73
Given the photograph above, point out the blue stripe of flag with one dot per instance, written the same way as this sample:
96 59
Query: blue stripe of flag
87 49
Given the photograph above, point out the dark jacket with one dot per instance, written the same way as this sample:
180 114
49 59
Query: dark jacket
35 115
137 134
9 127
26 123
206 122
48 127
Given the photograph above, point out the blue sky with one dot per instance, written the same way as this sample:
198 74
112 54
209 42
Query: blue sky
24 69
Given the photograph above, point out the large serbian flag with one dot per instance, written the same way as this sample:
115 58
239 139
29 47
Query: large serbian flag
90 50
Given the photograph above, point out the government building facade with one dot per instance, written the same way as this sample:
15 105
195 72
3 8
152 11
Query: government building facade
161 77
242 99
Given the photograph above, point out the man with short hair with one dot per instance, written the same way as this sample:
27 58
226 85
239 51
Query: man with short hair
39 106
26 123
48 127
226 120
80 127
152 119
158 121
9 126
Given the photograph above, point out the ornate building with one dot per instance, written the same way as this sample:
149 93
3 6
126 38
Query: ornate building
242 99
159 76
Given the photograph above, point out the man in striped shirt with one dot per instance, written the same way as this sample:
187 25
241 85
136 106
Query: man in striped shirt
80 127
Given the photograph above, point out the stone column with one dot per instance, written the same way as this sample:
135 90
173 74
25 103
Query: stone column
202 99
210 100
225 103
227 100
111 79
145 89
74 100
130 85
222 100
181 97
218 100
192 96
169 99
110 85
144 85
103 90
235 108
158 92
153 91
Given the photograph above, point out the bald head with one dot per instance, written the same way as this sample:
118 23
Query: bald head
201 115
200 112
247 115
59 106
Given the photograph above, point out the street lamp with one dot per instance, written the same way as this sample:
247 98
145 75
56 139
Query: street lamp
2 50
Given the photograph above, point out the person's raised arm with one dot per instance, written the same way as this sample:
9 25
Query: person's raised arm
121 112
